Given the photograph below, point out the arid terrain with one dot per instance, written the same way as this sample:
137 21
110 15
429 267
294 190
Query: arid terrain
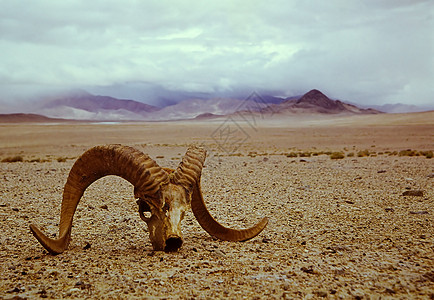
349 199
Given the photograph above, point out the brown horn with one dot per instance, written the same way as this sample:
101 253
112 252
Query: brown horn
136 167
190 168
214 228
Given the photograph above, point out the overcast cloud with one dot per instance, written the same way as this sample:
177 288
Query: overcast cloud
370 52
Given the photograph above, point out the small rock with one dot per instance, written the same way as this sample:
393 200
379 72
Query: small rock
430 175
15 290
268 269
104 206
42 293
349 202
308 270
286 286
265 159
219 253
321 294
423 212
381 171
15 209
389 209
266 240
87 246
429 276
82 285
415 193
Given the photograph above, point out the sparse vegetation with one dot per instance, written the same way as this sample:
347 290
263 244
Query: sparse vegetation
305 154
252 154
35 160
291 154
351 154
61 159
363 153
408 152
10 159
427 154
337 155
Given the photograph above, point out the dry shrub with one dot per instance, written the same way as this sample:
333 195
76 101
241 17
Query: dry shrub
305 154
408 152
291 154
337 155
427 154
16 158
363 153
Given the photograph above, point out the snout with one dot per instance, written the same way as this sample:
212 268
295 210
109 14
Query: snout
173 243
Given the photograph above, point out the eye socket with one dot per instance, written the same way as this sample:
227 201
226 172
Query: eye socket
144 210
166 208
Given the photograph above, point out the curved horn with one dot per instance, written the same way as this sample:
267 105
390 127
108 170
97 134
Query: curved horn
190 168
136 167
214 228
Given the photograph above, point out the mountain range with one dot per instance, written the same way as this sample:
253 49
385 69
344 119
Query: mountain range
82 105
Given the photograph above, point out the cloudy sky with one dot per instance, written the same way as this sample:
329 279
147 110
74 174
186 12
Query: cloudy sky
370 51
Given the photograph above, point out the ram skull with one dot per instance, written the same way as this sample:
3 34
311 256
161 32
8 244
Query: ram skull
163 196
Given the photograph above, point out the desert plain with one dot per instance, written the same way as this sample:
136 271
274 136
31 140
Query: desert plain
341 225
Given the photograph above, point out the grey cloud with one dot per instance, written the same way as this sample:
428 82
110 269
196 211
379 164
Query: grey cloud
367 51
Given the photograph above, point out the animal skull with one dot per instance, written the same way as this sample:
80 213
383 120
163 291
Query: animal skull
164 221
163 195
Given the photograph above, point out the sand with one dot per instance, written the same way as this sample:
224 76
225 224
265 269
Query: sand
339 228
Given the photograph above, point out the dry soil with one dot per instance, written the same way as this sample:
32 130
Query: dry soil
339 228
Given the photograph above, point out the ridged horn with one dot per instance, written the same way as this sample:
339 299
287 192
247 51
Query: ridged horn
136 167
214 228
190 168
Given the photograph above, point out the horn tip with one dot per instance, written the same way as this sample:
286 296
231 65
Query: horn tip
54 247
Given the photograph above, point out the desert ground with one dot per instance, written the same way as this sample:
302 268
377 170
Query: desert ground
339 228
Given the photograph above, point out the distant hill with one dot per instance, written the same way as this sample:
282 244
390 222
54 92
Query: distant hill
30 118
83 105
401 108
315 102
192 108
92 103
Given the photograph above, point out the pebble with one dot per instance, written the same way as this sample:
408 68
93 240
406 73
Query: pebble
321 294
415 193
308 270
219 253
